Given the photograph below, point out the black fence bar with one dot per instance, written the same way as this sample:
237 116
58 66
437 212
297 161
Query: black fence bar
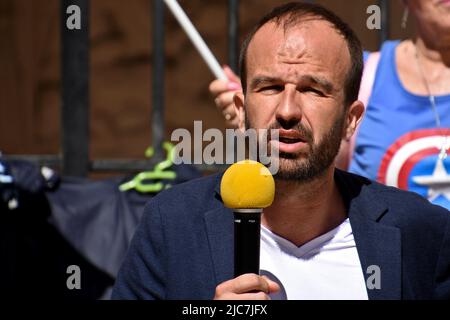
116 165
122 165
158 127
75 86
143 165
384 32
50 160
233 34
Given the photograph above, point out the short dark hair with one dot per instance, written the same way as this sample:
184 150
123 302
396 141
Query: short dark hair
292 13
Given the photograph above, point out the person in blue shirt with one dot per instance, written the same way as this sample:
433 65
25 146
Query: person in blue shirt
404 138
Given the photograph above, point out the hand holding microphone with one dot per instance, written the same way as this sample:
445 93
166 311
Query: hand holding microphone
247 187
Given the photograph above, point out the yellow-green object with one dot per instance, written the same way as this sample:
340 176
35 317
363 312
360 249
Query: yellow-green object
139 181
247 184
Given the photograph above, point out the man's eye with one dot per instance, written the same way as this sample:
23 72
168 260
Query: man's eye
274 88
312 90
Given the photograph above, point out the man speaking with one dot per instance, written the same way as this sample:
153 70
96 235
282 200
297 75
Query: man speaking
327 232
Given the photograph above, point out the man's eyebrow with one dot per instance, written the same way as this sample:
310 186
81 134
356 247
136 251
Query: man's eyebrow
320 81
262 79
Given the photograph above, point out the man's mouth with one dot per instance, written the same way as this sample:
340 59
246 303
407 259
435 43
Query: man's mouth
290 136
291 141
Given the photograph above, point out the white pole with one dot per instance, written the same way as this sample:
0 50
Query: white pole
196 39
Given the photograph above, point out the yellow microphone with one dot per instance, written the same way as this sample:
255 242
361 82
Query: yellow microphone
247 187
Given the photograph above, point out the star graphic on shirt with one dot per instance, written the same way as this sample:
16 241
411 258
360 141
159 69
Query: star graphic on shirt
438 182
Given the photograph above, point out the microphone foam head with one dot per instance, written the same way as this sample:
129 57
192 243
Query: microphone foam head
247 184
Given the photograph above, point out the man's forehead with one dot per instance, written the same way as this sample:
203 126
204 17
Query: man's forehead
313 38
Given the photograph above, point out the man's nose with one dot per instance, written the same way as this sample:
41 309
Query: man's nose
289 111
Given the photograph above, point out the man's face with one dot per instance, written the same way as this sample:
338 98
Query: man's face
295 83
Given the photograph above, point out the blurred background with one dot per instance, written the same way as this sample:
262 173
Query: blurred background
120 80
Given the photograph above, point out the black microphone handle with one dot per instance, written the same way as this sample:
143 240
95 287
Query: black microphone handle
247 230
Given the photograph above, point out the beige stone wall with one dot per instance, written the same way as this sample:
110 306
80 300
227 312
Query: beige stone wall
121 65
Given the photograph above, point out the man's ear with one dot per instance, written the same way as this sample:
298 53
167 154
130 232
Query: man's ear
354 116
239 103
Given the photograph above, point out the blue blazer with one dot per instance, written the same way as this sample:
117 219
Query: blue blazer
183 247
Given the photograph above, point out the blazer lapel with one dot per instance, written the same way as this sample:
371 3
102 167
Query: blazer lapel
378 245
379 250
219 227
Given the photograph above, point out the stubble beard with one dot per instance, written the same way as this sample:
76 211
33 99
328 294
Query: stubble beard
307 166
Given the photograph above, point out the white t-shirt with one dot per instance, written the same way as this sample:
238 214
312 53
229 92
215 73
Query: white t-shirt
327 267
